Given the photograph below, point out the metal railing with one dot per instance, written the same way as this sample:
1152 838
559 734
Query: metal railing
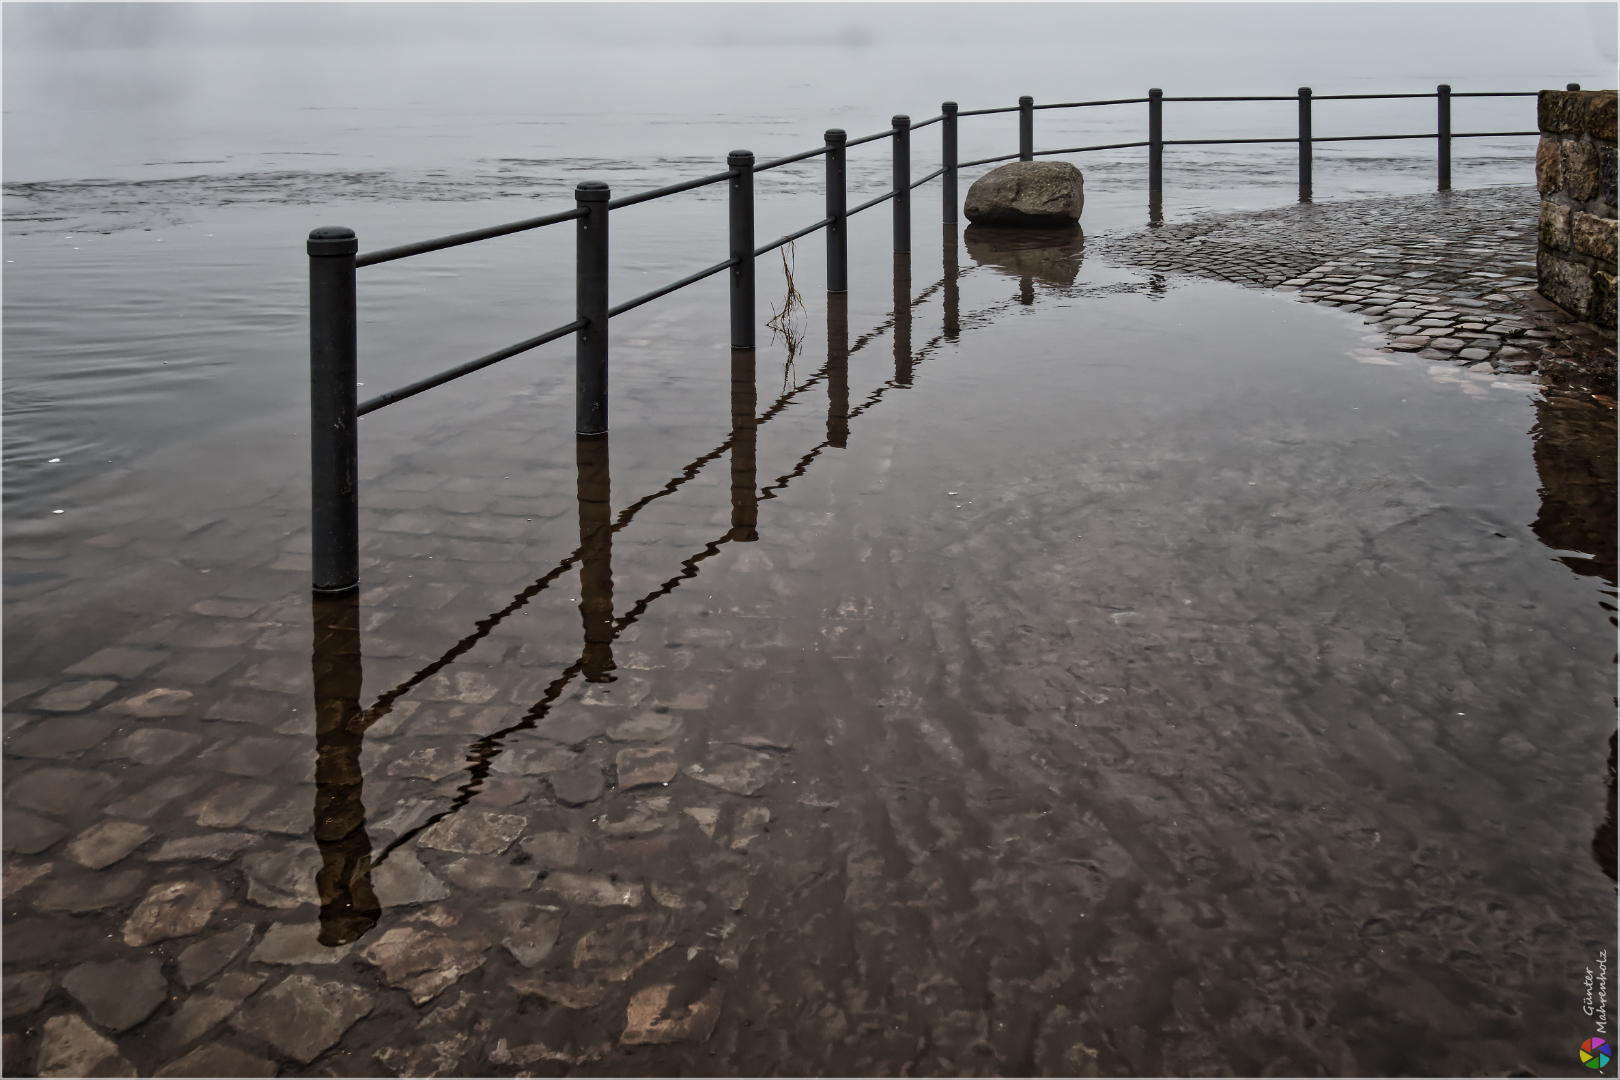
335 258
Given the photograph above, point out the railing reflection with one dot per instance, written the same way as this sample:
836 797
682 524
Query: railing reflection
348 906
744 426
838 370
594 487
904 362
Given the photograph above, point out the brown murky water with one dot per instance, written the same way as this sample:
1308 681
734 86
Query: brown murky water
1036 667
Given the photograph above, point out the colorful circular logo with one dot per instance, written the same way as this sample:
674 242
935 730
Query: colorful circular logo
1595 1053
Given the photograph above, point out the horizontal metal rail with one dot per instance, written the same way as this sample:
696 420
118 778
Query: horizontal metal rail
931 120
937 172
1217 142
465 369
790 237
1088 104
405 251
1508 93
883 198
985 161
667 289
1083 149
659 193
870 138
790 159
1488 134
1365 97
986 112
1267 97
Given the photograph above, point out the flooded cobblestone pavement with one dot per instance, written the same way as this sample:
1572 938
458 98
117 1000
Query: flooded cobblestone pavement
1052 666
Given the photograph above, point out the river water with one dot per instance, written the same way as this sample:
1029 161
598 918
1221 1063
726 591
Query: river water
1020 664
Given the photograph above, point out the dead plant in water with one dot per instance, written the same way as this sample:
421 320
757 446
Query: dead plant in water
788 323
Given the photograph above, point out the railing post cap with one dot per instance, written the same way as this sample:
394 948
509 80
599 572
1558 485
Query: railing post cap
835 135
1304 91
740 157
1444 88
591 191
900 120
1155 92
1567 86
1026 100
332 240
947 107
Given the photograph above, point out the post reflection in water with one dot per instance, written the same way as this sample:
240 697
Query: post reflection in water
1155 210
744 491
348 906
838 370
953 292
596 557
904 362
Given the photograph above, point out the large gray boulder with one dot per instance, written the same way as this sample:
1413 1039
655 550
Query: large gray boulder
1027 194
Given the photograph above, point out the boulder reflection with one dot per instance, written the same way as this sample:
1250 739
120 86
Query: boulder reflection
1049 257
348 906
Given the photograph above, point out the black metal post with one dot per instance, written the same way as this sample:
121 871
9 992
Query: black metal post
1572 86
349 904
744 439
742 248
837 235
1155 141
902 183
333 436
838 370
1443 127
1304 144
595 495
1026 128
591 304
947 159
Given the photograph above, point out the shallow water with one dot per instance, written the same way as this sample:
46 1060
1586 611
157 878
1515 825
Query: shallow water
1045 667
1022 664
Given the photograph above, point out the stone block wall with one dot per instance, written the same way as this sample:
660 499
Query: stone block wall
1575 173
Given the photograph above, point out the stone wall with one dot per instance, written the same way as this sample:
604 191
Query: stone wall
1575 173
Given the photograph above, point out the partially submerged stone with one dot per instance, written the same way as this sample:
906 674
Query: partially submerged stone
204 959
297 943
303 1016
639 766
615 951
90 892
735 769
106 842
402 881
594 890
173 909
422 962
1027 194
650 1019
71 1047
530 930
474 833
219 1059
120 993
284 878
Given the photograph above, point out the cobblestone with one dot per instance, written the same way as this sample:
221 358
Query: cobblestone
1454 255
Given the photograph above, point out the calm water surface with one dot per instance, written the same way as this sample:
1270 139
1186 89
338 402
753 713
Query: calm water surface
1023 665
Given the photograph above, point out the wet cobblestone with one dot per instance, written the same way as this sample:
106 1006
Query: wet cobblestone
1450 276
